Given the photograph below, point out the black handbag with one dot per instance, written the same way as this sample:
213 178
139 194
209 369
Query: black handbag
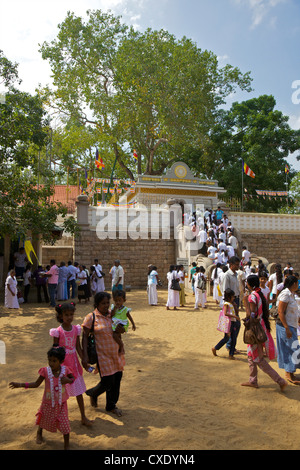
91 346
175 285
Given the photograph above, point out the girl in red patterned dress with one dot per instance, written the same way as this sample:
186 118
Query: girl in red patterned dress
68 337
53 412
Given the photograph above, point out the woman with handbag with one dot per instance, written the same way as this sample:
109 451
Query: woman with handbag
173 288
256 308
110 363
286 329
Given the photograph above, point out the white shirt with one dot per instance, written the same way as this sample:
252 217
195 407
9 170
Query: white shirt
211 252
118 273
246 256
292 312
273 278
82 275
222 246
27 276
230 250
202 236
233 242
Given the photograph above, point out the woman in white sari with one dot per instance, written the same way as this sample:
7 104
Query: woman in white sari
173 295
11 290
152 285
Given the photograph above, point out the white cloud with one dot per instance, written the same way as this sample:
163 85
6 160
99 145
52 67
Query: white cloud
26 24
260 10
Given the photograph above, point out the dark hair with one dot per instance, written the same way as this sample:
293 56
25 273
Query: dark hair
263 274
278 271
61 308
58 352
290 281
253 281
216 270
99 297
234 260
119 293
228 294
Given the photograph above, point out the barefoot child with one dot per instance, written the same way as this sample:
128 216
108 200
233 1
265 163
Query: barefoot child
53 412
229 311
120 316
68 336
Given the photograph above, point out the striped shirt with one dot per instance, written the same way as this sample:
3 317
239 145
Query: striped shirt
109 359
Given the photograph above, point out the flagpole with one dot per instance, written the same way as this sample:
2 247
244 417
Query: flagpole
242 186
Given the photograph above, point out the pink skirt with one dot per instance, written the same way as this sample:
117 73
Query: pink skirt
53 419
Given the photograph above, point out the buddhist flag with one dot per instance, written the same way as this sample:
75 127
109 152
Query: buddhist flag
135 155
28 250
248 171
99 162
287 169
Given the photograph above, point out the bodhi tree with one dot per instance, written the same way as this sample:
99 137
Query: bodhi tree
26 206
145 91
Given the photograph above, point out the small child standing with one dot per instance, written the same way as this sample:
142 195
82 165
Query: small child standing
68 336
200 287
53 412
263 279
229 311
120 316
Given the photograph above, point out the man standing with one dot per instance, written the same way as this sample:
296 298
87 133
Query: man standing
71 280
20 260
41 283
100 278
233 241
52 276
219 216
231 281
118 277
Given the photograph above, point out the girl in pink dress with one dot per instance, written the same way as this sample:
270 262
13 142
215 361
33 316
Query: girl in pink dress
68 336
53 412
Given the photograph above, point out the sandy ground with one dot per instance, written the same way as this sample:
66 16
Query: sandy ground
175 394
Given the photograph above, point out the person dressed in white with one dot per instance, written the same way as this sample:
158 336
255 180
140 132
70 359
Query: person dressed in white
217 294
173 295
11 290
152 285
211 252
233 241
100 278
245 255
230 251
200 294
118 277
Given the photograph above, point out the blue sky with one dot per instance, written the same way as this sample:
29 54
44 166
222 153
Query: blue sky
260 36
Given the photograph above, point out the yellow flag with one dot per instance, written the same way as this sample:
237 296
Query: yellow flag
28 249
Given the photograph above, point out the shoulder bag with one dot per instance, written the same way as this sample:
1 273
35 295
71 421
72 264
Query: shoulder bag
175 284
91 346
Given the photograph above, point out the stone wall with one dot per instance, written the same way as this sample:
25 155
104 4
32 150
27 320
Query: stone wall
134 255
276 248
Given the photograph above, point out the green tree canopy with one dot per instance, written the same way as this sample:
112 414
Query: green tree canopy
145 91
255 132
25 204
